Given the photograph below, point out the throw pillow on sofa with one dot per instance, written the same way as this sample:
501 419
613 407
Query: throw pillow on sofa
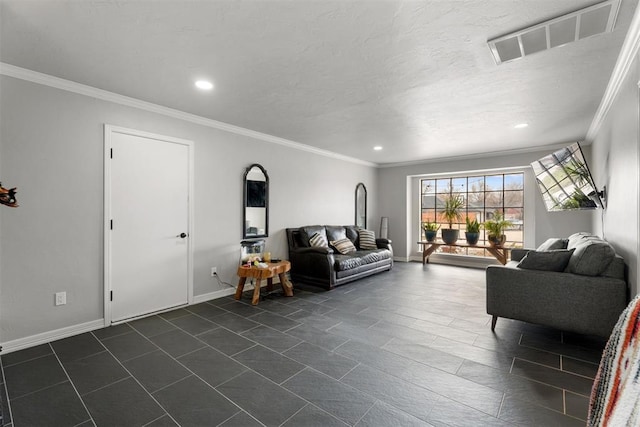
367 239
553 244
591 258
556 260
318 241
344 246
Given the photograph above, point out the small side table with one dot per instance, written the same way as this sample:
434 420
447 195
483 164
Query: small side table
274 269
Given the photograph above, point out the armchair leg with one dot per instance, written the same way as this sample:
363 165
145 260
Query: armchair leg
494 319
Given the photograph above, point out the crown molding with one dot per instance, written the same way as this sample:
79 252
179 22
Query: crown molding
78 88
478 155
626 57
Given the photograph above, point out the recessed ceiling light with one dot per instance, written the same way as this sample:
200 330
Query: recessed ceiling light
204 85
377 148
521 125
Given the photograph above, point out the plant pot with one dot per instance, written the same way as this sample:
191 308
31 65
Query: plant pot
497 240
450 235
430 235
472 238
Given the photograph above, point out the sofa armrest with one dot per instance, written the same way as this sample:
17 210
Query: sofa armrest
312 262
584 304
383 244
517 254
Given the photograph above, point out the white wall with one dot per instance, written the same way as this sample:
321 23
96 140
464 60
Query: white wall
401 206
51 145
616 164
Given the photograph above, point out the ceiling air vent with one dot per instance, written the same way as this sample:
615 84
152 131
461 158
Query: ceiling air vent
590 21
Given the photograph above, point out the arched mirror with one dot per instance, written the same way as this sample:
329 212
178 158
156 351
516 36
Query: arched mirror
256 202
361 206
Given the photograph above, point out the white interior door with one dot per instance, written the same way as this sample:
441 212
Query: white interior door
148 229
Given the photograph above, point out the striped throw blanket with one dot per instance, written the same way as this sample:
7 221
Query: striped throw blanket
615 397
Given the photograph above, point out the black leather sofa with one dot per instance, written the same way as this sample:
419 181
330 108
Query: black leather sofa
325 266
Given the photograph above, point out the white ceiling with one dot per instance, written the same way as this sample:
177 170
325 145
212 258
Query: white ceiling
415 77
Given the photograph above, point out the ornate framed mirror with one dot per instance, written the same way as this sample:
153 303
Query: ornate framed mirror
361 206
255 213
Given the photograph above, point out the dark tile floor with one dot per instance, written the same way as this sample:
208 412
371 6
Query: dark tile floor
411 347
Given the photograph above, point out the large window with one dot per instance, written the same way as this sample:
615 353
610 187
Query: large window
484 196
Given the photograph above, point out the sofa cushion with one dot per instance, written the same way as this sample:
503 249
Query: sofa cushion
591 257
367 239
352 233
371 256
336 232
552 244
310 230
344 246
346 262
555 260
318 241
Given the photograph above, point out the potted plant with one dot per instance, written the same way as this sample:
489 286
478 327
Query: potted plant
473 231
430 230
452 205
495 229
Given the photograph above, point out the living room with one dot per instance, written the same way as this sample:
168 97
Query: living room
52 150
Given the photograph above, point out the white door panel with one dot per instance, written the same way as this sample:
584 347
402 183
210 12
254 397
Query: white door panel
150 209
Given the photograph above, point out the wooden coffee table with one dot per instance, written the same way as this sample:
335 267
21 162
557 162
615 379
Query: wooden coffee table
274 269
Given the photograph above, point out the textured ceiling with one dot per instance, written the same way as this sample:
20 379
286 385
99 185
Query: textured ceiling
415 77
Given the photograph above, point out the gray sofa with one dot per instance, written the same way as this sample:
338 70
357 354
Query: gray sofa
575 284
325 266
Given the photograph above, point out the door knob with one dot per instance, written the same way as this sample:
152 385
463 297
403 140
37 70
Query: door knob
182 235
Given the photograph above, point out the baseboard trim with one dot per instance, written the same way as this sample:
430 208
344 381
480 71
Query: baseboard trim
45 337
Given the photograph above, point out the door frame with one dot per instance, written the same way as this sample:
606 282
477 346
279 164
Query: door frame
109 130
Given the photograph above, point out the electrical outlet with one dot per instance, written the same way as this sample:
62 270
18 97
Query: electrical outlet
61 298
214 271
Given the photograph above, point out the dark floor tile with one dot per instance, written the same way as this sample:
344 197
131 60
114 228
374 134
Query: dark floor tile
25 355
405 396
592 354
357 333
163 421
352 318
4 405
94 372
271 338
509 345
275 321
206 310
579 367
241 308
317 337
212 366
272 365
112 331
318 321
128 346
124 403
34 375
278 307
311 307
177 342
152 326
328 362
174 314
576 405
234 323
342 401
55 406
554 377
523 413
156 370
226 341
446 412
193 324
426 354
382 414
77 347
192 402
313 416
241 419
266 401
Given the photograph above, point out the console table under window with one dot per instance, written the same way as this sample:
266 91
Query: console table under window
499 252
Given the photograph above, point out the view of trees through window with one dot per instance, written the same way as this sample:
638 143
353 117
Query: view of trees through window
483 196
